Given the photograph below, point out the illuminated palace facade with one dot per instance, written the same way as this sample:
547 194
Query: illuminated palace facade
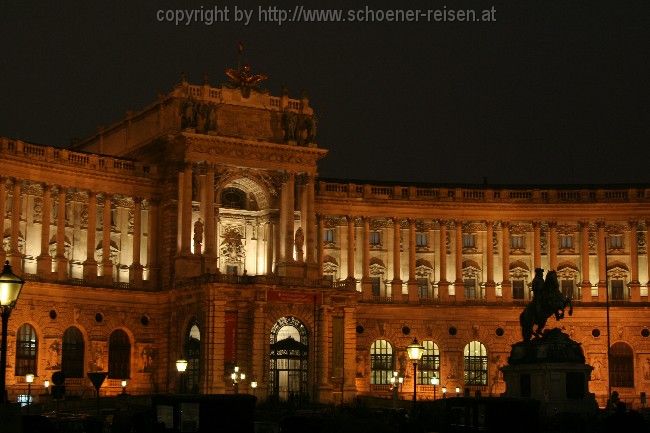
198 228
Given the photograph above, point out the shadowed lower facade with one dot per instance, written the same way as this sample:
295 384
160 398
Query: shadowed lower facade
198 228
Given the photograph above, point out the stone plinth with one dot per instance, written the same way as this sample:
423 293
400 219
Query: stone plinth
551 369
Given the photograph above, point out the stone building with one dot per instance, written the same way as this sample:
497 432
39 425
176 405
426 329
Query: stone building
198 228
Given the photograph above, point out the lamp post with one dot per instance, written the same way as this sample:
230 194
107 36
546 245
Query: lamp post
123 383
181 366
254 386
434 381
237 376
395 383
458 391
444 392
415 351
29 378
10 286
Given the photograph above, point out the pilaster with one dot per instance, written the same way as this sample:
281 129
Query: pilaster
44 260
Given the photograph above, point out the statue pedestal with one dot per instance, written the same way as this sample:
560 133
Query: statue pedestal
551 369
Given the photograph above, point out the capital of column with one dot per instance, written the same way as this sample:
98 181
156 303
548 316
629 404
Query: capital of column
601 224
537 224
552 224
633 224
583 224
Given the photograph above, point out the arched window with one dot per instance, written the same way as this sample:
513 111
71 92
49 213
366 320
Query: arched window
72 360
26 350
193 357
382 362
429 364
119 355
289 356
233 198
475 364
621 362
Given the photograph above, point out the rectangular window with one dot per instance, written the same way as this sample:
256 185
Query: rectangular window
567 287
517 242
328 238
566 242
470 288
518 289
618 290
376 285
420 239
469 240
616 242
423 288
375 239
231 270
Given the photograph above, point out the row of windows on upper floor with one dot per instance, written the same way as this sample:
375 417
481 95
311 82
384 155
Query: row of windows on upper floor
618 290
517 241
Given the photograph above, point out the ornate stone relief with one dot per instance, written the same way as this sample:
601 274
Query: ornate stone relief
232 248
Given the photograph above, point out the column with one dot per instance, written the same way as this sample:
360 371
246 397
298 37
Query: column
351 277
412 282
366 284
443 284
260 347
552 245
15 257
320 252
635 286
135 272
107 264
324 333
61 260
396 284
490 286
208 217
3 211
291 205
537 245
213 355
602 262
311 221
269 247
506 285
458 282
152 241
186 209
349 354
647 239
585 284
44 260
90 265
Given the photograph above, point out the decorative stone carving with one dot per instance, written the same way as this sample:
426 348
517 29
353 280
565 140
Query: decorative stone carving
232 248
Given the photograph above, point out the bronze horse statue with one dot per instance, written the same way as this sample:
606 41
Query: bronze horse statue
547 301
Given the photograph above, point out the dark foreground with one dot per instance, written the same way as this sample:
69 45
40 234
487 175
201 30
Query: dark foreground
234 414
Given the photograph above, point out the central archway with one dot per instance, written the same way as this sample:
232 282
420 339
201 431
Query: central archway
289 352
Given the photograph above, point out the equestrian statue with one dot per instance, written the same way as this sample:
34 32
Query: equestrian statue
547 301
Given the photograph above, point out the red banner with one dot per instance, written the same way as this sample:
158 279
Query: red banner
230 343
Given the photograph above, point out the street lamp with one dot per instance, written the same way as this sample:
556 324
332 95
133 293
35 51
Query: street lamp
10 286
181 366
458 391
415 351
123 387
444 392
237 377
435 382
395 383
29 378
254 386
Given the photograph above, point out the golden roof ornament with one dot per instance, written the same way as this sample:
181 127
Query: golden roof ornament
244 79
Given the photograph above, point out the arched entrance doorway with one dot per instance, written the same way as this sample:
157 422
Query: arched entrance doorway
289 353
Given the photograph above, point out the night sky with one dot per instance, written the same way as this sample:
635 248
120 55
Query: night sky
552 92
